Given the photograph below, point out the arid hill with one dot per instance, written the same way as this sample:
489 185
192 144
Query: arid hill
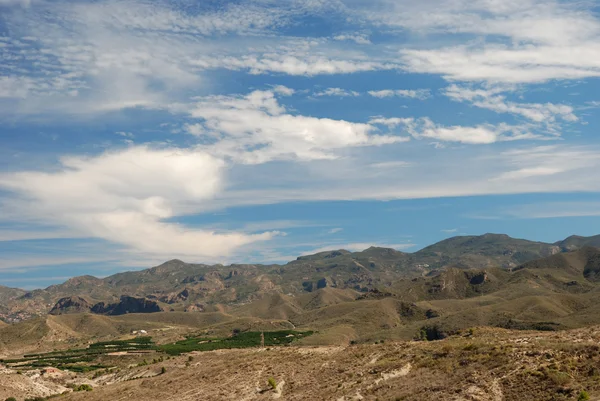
179 286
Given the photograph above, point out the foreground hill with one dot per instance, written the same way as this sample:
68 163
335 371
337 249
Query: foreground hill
480 364
176 285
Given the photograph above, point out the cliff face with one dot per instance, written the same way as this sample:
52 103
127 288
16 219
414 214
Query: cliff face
126 304
73 304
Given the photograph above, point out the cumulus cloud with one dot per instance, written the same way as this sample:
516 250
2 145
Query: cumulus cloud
126 196
283 90
256 128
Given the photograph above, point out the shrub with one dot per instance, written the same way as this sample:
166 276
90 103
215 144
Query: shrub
11 399
558 378
583 396
163 370
83 387
272 383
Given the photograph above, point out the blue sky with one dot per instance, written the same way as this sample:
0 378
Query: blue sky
133 132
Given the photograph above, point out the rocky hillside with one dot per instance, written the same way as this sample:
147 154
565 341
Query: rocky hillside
76 304
576 242
180 286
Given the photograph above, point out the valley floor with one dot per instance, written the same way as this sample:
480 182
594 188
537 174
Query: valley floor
483 364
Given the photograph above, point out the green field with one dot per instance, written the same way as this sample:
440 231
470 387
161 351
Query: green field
80 359
241 340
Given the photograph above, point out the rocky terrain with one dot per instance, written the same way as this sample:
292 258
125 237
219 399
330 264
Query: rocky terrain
470 318
176 285
478 364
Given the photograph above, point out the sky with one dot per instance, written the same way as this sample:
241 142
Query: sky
135 132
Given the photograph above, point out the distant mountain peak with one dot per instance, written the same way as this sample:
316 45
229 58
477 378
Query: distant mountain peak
324 255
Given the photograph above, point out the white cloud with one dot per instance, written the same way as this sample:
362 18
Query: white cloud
391 122
527 42
492 99
457 171
339 92
420 94
529 172
359 39
125 134
450 231
283 90
502 64
478 135
511 41
308 64
335 230
256 129
125 196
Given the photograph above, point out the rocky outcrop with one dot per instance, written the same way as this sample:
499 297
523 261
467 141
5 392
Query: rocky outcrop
72 304
75 304
194 308
174 298
127 305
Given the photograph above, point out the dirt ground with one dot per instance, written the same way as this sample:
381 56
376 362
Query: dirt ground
484 365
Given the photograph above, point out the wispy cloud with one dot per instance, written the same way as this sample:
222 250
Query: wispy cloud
420 94
492 99
425 128
339 92
547 210
360 39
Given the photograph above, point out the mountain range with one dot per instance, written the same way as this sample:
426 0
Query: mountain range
448 269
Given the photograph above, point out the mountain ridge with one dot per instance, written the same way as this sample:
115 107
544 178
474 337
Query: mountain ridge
184 286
